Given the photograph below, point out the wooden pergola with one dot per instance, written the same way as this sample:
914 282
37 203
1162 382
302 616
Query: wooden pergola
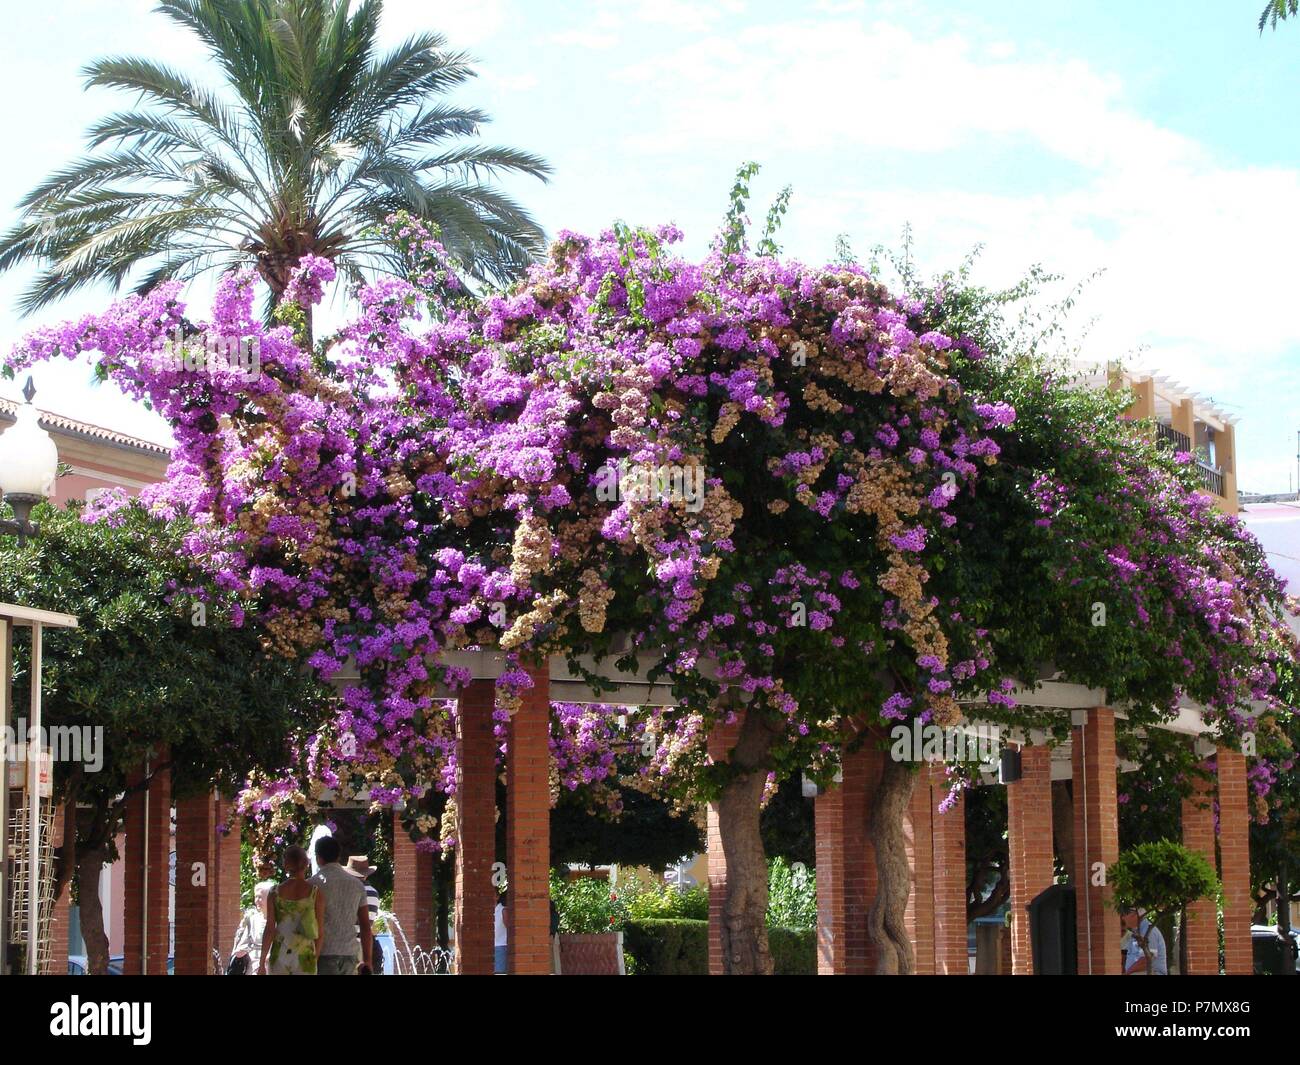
936 916
845 863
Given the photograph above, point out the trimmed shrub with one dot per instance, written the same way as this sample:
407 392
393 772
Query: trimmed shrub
673 947
681 948
794 951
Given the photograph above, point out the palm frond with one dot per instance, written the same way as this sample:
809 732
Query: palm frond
314 136
1278 11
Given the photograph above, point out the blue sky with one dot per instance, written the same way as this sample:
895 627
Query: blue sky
1156 141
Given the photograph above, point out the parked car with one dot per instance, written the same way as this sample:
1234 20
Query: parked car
1267 945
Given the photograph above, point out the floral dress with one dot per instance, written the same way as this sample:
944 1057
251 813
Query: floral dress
293 950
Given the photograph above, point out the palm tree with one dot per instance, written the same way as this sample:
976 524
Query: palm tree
313 139
1278 11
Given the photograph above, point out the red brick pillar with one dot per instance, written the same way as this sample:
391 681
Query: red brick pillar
1096 842
60 916
918 831
1201 927
721 740
1029 840
846 868
146 858
1234 862
948 828
476 775
226 879
528 830
207 883
194 852
412 888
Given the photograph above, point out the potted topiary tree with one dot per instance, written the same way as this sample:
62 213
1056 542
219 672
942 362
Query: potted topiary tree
1159 880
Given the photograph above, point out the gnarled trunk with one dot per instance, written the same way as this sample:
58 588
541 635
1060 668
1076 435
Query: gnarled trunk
886 923
90 864
744 920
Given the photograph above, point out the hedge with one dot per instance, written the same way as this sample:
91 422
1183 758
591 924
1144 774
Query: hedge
681 948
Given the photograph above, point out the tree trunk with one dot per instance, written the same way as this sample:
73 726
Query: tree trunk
90 864
65 860
744 919
886 923
277 272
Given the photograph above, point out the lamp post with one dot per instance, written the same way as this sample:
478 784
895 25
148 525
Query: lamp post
29 462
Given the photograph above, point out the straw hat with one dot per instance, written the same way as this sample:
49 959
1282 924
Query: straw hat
359 866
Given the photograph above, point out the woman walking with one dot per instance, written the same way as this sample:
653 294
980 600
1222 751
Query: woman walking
295 922
246 954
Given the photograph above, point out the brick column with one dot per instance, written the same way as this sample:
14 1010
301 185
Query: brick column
1234 862
721 740
476 775
412 888
146 857
1096 841
528 830
227 898
846 868
918 831
1029 840
60 914
194 852
948 828
207 883
1201 929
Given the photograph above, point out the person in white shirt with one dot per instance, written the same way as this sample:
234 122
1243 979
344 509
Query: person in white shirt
347 917
248 936
500 940
1135 958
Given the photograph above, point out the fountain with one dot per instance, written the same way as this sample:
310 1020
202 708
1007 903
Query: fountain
414 960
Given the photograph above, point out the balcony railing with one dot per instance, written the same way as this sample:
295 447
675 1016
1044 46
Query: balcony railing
1210 476
1171 437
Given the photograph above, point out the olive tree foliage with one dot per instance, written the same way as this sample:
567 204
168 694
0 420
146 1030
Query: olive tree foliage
160 675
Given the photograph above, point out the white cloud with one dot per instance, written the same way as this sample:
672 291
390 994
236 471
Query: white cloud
597 40
1197 250
463 24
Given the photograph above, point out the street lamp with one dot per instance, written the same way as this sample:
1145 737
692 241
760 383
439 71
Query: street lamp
29 462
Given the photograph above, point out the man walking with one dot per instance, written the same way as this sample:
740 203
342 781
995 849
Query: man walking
346 912
360 867
1135 958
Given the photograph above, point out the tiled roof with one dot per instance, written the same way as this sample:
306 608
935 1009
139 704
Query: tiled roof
57 423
